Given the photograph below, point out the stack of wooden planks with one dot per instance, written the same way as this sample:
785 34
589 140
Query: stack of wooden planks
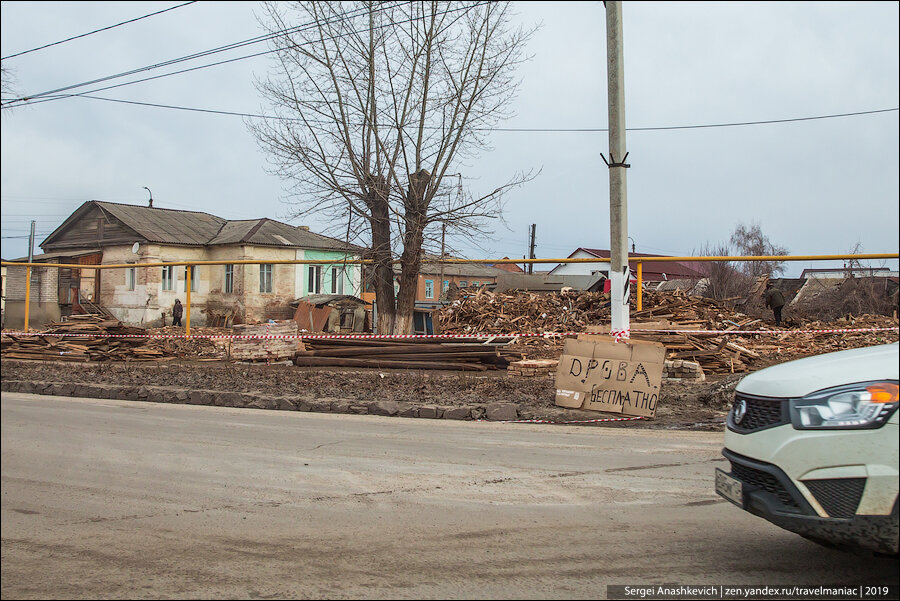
408 354
715 353
82 338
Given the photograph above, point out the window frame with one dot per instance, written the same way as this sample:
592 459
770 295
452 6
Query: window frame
429 288
266 278
168 278
314 279
337 280
228 286
131 279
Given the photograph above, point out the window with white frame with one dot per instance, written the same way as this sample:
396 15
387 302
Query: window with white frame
168 278
193 278
229 279
130 278
265 278
314 279
337 280
429 288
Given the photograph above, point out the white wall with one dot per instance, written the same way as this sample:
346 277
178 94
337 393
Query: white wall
581 268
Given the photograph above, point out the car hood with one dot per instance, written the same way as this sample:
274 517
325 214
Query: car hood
803 376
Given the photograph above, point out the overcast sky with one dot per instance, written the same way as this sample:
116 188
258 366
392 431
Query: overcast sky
815 186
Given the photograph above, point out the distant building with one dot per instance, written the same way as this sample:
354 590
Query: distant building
652 271
847 272
110 233
430 288
510 267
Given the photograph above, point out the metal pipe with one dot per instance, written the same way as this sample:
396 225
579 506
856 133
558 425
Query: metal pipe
471 261
27 294
640 287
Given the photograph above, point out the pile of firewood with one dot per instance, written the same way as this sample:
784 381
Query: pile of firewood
489 313
407 354
82 338
485 312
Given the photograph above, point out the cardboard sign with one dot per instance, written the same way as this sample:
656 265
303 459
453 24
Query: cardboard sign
599 374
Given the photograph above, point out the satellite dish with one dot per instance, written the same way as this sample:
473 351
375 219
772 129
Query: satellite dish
136 247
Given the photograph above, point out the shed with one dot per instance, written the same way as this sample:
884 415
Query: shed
336 313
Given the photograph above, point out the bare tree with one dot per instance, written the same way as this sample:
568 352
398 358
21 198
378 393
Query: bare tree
750 241
726 280
375 106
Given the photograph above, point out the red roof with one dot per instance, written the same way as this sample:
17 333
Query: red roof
653 271
513 267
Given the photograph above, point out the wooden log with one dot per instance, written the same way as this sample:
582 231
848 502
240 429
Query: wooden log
386 364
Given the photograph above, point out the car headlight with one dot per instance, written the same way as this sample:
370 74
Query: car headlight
863 405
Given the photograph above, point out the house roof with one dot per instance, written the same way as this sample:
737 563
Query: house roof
268 232
510 267
62 254
470 270
672 269
168 226
196 228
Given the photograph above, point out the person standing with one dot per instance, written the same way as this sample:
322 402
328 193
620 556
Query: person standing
775 300
177 312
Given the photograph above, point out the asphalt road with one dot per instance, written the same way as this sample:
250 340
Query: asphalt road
108 499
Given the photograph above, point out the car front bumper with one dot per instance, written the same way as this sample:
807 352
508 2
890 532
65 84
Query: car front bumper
768 492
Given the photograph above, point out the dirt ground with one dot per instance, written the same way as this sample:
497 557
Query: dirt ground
682 406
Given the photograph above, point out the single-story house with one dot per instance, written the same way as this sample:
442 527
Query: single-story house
111 233
432 289
652 271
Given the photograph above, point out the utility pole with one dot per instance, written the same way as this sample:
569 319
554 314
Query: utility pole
619 274
531 249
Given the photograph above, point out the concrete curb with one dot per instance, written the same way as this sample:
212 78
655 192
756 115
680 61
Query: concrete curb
246 400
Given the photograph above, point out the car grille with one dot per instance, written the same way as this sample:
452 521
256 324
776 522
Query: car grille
762 480
838 496
760 414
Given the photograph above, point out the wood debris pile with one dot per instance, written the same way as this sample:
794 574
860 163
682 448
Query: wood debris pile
407 354
199 346
485 312
87 339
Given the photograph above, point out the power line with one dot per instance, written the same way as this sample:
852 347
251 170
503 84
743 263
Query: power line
97 31
232 46
509 129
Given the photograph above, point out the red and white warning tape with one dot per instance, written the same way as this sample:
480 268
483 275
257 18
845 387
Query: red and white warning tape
620 335
580 421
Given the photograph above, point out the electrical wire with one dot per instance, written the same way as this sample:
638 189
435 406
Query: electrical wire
83 35
512 129
296 29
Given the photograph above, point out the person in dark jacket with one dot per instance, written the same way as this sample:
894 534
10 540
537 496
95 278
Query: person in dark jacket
775 300
177 312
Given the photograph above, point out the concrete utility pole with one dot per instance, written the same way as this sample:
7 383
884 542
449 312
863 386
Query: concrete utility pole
619 274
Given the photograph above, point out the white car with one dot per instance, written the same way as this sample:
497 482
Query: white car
813 446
